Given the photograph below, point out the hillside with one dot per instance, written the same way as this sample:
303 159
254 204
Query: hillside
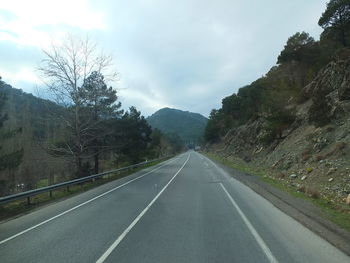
33 132
312 158
293 124
31 116
188 125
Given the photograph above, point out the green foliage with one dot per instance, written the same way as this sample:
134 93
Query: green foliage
133 132
99 105
336 20
319 112
267 97
189 126
8 160
297 65
308 54
237 109
175 142
11 160
164 144
3 116
156 139
44 137
278 121
213 128
98 98
298 48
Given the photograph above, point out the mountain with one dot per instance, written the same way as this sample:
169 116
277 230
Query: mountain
188 125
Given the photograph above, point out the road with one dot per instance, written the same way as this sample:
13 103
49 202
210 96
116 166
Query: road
184 210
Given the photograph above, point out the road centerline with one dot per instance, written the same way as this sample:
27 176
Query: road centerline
137 219
255 234
82 204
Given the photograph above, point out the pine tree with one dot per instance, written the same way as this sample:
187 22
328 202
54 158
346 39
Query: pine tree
337 18
101 105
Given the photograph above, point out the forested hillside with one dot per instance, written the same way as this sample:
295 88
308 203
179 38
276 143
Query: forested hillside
188 126
33 136
294 121
26 126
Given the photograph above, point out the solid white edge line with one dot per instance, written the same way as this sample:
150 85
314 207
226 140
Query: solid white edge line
82 204
127 230
255 234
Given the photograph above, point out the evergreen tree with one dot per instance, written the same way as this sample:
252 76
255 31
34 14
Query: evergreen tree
134 132
336 18
296 48
101 105
66 68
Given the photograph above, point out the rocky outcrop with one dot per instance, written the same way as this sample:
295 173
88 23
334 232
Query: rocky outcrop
316 146
330 92
335 77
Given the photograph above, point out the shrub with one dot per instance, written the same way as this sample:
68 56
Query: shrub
309 169
319 111
276 123
313 193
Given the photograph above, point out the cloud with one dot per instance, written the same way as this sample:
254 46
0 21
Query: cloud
22 21
187 54
197 52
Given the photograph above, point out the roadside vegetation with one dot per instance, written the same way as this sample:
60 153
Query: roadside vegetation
81 130
295 120
297 65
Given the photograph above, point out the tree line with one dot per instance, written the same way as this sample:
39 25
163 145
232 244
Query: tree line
297 65
85 131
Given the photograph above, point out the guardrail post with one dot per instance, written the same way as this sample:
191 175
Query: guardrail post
50 194
28 200
68 188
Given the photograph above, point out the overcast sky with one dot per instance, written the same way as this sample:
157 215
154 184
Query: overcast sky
185 54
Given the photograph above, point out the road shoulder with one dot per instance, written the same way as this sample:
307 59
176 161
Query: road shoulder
301 210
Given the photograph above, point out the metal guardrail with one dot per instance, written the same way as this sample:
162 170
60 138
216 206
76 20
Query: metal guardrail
30 193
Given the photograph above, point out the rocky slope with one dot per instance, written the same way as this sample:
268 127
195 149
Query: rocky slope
313 154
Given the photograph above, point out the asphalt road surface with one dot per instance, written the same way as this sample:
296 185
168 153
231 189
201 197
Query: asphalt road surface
183 210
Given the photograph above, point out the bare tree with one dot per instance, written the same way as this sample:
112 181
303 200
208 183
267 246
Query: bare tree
64 70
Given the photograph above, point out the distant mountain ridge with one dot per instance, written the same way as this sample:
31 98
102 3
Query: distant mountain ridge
188 125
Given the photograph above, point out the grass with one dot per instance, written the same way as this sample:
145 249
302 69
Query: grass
337 213
20 206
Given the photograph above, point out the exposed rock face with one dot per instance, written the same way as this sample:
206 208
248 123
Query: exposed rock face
306 150
335 77
241 140
330 91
